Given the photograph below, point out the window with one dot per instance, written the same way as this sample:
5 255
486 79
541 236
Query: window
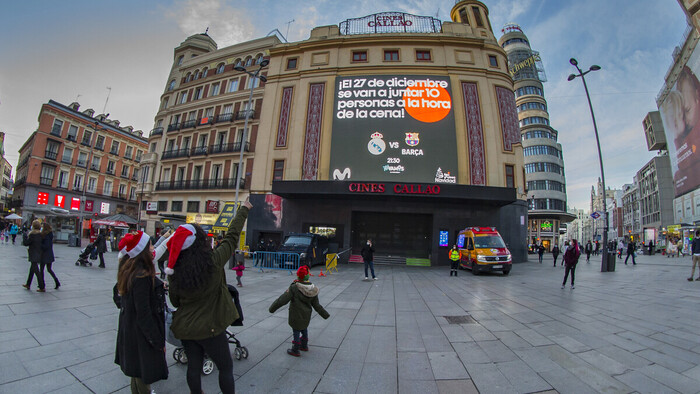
179 60
125 171
122 190
72 133
278 172
175 119
534 120
154 147
162 206
232 85
132 194
188 77
165 103
197 173
192 206
204 72
135 174
100 144
87 137
139 153
220 68
228 109
62 180
532 106
196 74
493 61
539 134
510 176
546 185
95 165
291 63
253 83
129 152
171 85
107 190
215 171
528 90
52 150
197 94
92 185
544 167
77 182
464 16
115 148
215 89
47 175
209 112
82 159
477 17
185 143
259 59
67 155
110 167
249 62
238 63
56 128
183 97
176 206
359 56
423 55
542 150
391 56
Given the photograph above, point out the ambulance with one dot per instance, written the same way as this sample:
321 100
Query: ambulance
483 250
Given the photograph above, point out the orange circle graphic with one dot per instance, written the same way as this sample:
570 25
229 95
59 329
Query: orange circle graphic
427 104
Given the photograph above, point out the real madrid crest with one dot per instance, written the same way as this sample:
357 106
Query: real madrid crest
412 139
376 145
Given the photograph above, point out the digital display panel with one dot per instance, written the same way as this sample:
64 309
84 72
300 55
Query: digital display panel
394 128
59 201
444 238
460 241
42 198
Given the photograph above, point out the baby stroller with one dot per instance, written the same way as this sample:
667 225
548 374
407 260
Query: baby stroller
208 367
88 251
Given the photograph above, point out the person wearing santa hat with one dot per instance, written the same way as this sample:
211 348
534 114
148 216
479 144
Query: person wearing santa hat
301 295
141 332
204 306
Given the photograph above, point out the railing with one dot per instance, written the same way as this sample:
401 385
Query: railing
156 131
276 261
173 154
174 126
249 113
114 151
82 164
202 184
199 151
16 203
46 181
228 148
110 172
51 155
224 118
189 123
20 182
100 147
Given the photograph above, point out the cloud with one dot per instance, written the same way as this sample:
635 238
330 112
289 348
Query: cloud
227 24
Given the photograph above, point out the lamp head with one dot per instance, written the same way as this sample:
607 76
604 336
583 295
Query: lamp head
264 63
572 77
239 68
263 78
573 62
595 67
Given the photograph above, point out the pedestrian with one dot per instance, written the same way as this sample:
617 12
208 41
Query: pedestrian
455 256
571 256
671 250
13 232
240 266
101 246
301 295
33 243
367 253
140 350
555 254
651 247
47 257
204 305
164 235
695 252
540 252
679 246
597 248
589 250
631 247
620 248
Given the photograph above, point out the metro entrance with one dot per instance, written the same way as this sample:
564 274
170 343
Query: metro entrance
394 234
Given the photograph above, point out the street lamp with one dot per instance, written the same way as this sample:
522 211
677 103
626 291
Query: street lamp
604 264
88 164
253 76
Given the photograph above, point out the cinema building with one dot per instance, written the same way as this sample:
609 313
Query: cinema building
394 127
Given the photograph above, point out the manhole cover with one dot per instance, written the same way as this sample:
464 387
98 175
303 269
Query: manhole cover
465 319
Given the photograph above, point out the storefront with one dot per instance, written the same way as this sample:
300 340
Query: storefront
405 221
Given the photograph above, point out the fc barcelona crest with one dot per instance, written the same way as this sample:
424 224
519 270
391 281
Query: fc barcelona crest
412 139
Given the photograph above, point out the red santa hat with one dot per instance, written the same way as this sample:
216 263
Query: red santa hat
303 273
182 239
133 244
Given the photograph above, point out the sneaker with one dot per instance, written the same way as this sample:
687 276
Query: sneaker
562 286
573 287
366 278
27 287
689 279
375 278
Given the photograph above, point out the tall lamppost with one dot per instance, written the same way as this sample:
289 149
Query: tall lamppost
253 75
582 74
88 164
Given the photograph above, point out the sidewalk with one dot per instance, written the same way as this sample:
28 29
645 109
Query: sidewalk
414 330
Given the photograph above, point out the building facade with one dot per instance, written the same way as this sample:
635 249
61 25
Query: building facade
544 161
631 217
77 167
655 198
6 173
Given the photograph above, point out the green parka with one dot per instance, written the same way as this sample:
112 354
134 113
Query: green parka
302 296
207 312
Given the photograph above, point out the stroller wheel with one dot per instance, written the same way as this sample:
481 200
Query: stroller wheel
237 353
180 356
77 263
244 352
208 366
90 264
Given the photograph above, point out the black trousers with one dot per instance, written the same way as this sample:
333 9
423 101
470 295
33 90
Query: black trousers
50 271
628 256
38 270
454 265
217 349
102 258
572 269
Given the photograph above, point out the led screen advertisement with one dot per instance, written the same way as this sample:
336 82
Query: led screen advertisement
680 113
394 128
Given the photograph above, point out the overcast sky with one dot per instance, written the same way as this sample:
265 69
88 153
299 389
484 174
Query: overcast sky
76 49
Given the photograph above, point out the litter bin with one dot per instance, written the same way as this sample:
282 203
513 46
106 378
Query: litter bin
72 240
611 262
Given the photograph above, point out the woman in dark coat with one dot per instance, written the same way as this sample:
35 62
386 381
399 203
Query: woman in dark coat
555 254
101 245
47 257
141 333
33 244
571 255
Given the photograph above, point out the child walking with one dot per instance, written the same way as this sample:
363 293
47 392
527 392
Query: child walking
301 295
239 272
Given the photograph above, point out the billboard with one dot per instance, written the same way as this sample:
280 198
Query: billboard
394 128
680 113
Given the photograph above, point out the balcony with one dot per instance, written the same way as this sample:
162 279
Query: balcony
23 162
46 181
174 127
95 167
224 118
114 151
249 113
71 137
20 182
174 154
149 157
85 142
51 155
199 151
203 184
156 131
82 164
190 123
110 172
228 148
16 203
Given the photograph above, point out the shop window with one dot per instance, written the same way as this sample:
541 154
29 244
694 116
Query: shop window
278 172
391 55
292 63
192 206
359 56
423 55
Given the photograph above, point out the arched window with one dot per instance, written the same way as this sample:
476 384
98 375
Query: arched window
238 63
171 85
188 77
248 62
196 75
220 68
204 72
180 59
259 59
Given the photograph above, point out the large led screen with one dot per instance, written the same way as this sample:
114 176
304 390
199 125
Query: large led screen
394 128
680 113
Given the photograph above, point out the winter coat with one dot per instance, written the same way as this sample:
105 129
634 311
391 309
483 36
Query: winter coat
47 256
206 312
14 229
100 243
630 248
367 253
301 296
33 243
555 251
695 247
571 255
239 269
540 250
589 248
141 331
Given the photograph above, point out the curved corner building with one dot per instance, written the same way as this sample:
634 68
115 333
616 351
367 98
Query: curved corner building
544 163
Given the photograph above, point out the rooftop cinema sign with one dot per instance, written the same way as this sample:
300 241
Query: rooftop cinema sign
398 188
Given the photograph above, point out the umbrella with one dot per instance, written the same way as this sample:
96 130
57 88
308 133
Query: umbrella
13 216
120 217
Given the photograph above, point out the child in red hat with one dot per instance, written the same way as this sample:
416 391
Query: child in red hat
301 295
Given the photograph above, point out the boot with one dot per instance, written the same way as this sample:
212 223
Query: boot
304 346
451 272
456 272
294 351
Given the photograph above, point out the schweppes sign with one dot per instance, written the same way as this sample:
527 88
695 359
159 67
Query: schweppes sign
530 61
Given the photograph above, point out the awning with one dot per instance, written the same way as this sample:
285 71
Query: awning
112 223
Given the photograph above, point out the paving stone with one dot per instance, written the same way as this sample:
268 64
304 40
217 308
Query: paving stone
564 382
414 366
603 362
407 386
378 378
488 379
40 383
693 373
11 368
522 377
642 383
341 377
666 361
447 366
465 386
533 338
671 379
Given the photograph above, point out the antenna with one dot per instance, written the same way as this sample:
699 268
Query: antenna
286 36
77 97
437 14
206 31
108 93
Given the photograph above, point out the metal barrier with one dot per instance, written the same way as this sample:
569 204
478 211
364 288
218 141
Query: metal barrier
276 261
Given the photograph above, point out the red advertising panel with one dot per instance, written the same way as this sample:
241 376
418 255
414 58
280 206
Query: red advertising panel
212 206
75 204
59 201
42 198
88 205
